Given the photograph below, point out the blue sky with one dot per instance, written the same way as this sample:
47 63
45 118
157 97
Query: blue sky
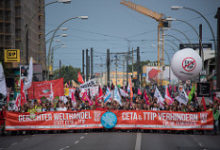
110 23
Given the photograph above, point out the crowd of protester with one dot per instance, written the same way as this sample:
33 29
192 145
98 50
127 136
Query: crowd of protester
137 103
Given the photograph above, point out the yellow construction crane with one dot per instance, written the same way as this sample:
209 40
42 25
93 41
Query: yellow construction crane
162 23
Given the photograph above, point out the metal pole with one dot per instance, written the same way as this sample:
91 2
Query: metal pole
59 68
217 56
132 67
54 33
87 64
83 65
200 48
89 68
91 55
27 44
174 37
116 68
108 67
169 64
127 57
210 27
187 38
138 67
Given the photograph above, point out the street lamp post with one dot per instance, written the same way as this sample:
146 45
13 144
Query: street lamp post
169 64
173 37
194 29
61 35
174 19
174 50
63 29
206 20
53 49
172 43
54 33
187 38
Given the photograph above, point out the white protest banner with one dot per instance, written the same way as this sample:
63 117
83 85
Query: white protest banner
88 84
182 98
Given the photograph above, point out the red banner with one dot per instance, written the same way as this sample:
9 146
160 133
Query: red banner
90 119
46 89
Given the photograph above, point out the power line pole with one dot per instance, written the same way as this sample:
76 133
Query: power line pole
217 54
108 67
132 67
91 55
138 67
60 68
200 48
116 70
127 57
83 65
87 64
124 70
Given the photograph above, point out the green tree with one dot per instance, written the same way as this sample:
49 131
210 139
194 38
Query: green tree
66 72
142 63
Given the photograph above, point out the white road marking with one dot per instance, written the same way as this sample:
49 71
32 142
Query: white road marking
82 137
138 142
199 143
65 147
76 142
14 143
86 133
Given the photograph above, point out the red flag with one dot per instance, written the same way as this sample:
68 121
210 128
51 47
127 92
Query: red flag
203 103
139 91
85 97
18 101
80 79
73 97
131 92
43 89
99 97
168 98
146 98
23 97
100 93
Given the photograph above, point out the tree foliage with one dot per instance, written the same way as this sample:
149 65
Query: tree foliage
142 63
66 72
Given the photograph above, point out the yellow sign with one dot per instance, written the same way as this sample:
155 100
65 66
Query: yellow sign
66 91
12 55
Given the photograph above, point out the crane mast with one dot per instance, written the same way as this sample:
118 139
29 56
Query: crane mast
162 22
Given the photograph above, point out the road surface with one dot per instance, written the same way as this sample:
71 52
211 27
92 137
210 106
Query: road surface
110 141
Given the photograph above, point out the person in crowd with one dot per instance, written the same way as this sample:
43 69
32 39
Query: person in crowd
61 106
216 115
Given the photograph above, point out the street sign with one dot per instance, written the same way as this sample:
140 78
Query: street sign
203 89
23 71
195 45
11 55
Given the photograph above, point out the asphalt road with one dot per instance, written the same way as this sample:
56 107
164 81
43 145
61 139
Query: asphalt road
110 141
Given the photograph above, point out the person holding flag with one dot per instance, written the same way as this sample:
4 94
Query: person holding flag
80 78
168 99
107 95
117 96
160 99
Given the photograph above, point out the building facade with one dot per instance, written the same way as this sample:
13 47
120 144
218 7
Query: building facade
22 26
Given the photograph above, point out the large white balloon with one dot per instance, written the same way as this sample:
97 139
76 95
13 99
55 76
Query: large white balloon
186 64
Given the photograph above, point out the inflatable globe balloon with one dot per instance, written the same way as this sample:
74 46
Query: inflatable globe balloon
186 64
